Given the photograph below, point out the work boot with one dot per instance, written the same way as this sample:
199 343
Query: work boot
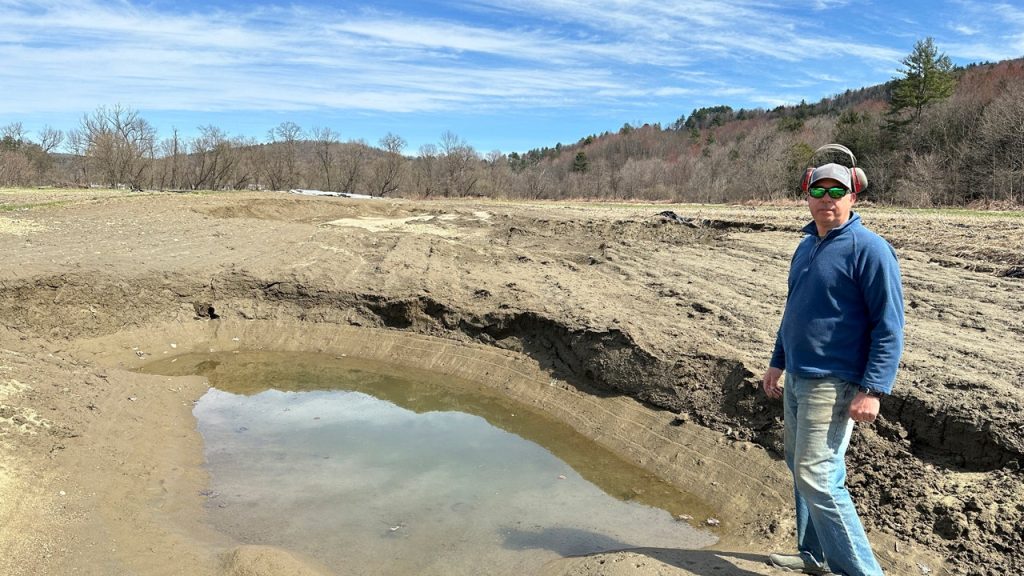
796 563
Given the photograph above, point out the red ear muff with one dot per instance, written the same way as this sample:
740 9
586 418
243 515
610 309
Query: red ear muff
858 179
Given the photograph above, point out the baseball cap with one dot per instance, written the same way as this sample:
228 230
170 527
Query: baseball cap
834 171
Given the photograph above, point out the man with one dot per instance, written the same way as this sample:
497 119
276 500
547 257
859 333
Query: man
839 344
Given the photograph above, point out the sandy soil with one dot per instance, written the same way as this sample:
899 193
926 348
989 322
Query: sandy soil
646 336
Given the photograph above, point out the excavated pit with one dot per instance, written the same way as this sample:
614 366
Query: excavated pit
647 335
716 392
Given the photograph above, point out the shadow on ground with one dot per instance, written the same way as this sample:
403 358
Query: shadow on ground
562 540
586 552
717 562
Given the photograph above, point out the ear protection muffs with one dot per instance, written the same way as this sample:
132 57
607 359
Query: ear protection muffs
858 178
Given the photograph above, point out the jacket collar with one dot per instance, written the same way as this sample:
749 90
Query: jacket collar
812 228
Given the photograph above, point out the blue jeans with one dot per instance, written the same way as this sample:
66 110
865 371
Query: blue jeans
818 428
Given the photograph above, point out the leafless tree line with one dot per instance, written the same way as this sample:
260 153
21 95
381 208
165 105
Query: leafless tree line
966 149
21 159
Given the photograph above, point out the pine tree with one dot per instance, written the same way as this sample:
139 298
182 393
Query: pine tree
580 163
927 77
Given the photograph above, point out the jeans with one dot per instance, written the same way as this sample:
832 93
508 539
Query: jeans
818 428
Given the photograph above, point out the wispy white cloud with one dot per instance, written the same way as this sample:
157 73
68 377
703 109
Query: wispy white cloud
238 60
1010 13
280 58
826 4
1012 47
825 77
542 56
996 31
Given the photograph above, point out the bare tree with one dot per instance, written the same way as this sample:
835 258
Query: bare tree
425 170
13 135
534 182
23 161
247 169
281 156
999 148
642 178
119 143
498 173
764 153
211 160
50 138
883 171
387 170
920 179
77 145
170 167
351 159
325 141
457 157
15 168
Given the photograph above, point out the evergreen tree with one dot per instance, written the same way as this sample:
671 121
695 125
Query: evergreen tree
927 77
859 132
580 163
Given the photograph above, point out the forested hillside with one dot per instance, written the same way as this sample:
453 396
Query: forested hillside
936 135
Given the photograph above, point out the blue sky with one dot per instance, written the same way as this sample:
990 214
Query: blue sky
505 75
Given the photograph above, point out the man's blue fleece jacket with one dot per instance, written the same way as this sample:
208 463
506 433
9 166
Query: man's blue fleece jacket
844 311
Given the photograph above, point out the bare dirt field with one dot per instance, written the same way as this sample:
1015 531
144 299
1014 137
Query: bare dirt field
645 335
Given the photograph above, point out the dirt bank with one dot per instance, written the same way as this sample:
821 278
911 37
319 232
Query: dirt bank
647 336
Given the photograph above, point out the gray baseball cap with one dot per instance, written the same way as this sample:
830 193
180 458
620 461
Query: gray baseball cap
836 172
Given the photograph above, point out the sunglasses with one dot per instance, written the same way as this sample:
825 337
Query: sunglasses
836 192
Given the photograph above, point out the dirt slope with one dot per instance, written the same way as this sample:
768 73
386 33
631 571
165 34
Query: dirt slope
609 300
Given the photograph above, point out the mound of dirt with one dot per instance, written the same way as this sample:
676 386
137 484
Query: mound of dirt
266 561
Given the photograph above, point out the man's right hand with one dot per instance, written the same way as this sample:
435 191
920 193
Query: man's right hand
770 381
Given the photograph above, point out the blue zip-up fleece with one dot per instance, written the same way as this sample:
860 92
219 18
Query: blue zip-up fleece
844 311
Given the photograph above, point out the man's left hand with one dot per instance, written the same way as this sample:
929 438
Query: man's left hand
864 408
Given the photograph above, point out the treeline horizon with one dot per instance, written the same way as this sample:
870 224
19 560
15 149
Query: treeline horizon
935 136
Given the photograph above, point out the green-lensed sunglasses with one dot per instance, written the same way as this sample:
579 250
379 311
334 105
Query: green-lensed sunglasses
835 192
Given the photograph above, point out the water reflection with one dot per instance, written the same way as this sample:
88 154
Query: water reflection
362 465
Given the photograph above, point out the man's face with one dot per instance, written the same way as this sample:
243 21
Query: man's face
829 213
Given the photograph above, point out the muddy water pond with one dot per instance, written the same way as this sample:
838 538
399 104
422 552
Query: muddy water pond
372 469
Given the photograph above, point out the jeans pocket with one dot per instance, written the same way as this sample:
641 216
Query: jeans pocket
841 425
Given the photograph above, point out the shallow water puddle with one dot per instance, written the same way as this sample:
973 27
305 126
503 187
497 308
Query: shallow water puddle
372 470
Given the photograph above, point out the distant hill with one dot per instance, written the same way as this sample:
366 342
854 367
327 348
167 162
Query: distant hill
964 149
721 154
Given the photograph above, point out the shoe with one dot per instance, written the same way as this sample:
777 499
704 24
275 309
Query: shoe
796 563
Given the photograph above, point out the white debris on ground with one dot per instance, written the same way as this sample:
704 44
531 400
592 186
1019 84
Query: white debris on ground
424 224
307 192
